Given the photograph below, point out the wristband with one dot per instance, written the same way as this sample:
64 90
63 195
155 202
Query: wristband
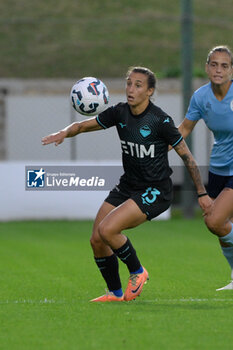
202 194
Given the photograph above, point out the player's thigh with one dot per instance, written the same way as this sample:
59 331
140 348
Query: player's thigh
127 215
222 209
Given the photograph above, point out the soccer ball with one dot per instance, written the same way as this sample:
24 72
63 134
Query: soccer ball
89 96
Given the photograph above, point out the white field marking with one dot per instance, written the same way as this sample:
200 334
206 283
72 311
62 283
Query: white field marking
155 301
30 301
188 300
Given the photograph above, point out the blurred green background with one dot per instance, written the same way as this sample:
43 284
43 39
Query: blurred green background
63 39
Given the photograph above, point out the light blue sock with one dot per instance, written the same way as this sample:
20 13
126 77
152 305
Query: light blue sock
228 238
228 253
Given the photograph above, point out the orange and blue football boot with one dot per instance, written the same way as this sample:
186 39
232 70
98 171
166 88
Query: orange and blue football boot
108 297
135 284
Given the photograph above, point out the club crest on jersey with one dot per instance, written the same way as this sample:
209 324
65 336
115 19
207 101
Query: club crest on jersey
232 105
145 131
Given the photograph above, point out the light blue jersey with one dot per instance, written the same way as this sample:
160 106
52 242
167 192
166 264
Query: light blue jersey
218 116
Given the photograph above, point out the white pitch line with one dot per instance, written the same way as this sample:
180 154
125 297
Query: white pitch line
30 301
155 301
188 300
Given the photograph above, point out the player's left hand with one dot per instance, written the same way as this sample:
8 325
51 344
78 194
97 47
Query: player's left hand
206 204
57 138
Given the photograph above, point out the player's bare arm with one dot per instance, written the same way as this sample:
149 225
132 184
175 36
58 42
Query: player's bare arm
205 202
71 130
185 128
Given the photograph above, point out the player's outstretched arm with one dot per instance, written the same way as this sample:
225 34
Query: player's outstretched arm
71 130
183 151
185 128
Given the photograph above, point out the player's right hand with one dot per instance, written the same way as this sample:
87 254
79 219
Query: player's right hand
206 204
57 138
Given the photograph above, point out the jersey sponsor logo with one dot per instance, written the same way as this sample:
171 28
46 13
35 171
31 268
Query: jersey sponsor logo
232 105
137 150
166 120
150 195
145 131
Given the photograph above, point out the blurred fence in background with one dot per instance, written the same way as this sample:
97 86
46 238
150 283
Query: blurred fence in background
30 111
27 114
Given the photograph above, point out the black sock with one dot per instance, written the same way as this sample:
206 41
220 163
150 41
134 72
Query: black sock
128 255
108 267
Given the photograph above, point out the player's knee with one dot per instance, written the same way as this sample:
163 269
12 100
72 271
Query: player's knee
214 225
96 241
105 231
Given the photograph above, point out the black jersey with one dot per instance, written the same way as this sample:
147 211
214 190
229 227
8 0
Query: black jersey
144 141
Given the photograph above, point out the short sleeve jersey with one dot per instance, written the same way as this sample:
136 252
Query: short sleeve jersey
144 141
218 116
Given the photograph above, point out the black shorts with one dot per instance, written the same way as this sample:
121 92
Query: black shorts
217 183
152 200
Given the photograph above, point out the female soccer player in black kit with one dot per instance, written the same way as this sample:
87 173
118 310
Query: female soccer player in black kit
144 190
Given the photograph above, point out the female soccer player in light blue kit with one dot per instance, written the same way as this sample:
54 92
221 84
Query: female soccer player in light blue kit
213 103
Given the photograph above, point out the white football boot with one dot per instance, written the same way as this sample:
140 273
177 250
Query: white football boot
229 286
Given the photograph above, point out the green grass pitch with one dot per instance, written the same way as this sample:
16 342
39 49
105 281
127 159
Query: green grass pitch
48 277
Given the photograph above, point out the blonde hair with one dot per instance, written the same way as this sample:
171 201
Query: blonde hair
220 48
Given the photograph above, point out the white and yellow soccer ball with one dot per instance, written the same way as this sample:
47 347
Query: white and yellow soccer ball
89 96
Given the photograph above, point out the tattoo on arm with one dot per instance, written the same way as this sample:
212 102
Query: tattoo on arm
191 165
